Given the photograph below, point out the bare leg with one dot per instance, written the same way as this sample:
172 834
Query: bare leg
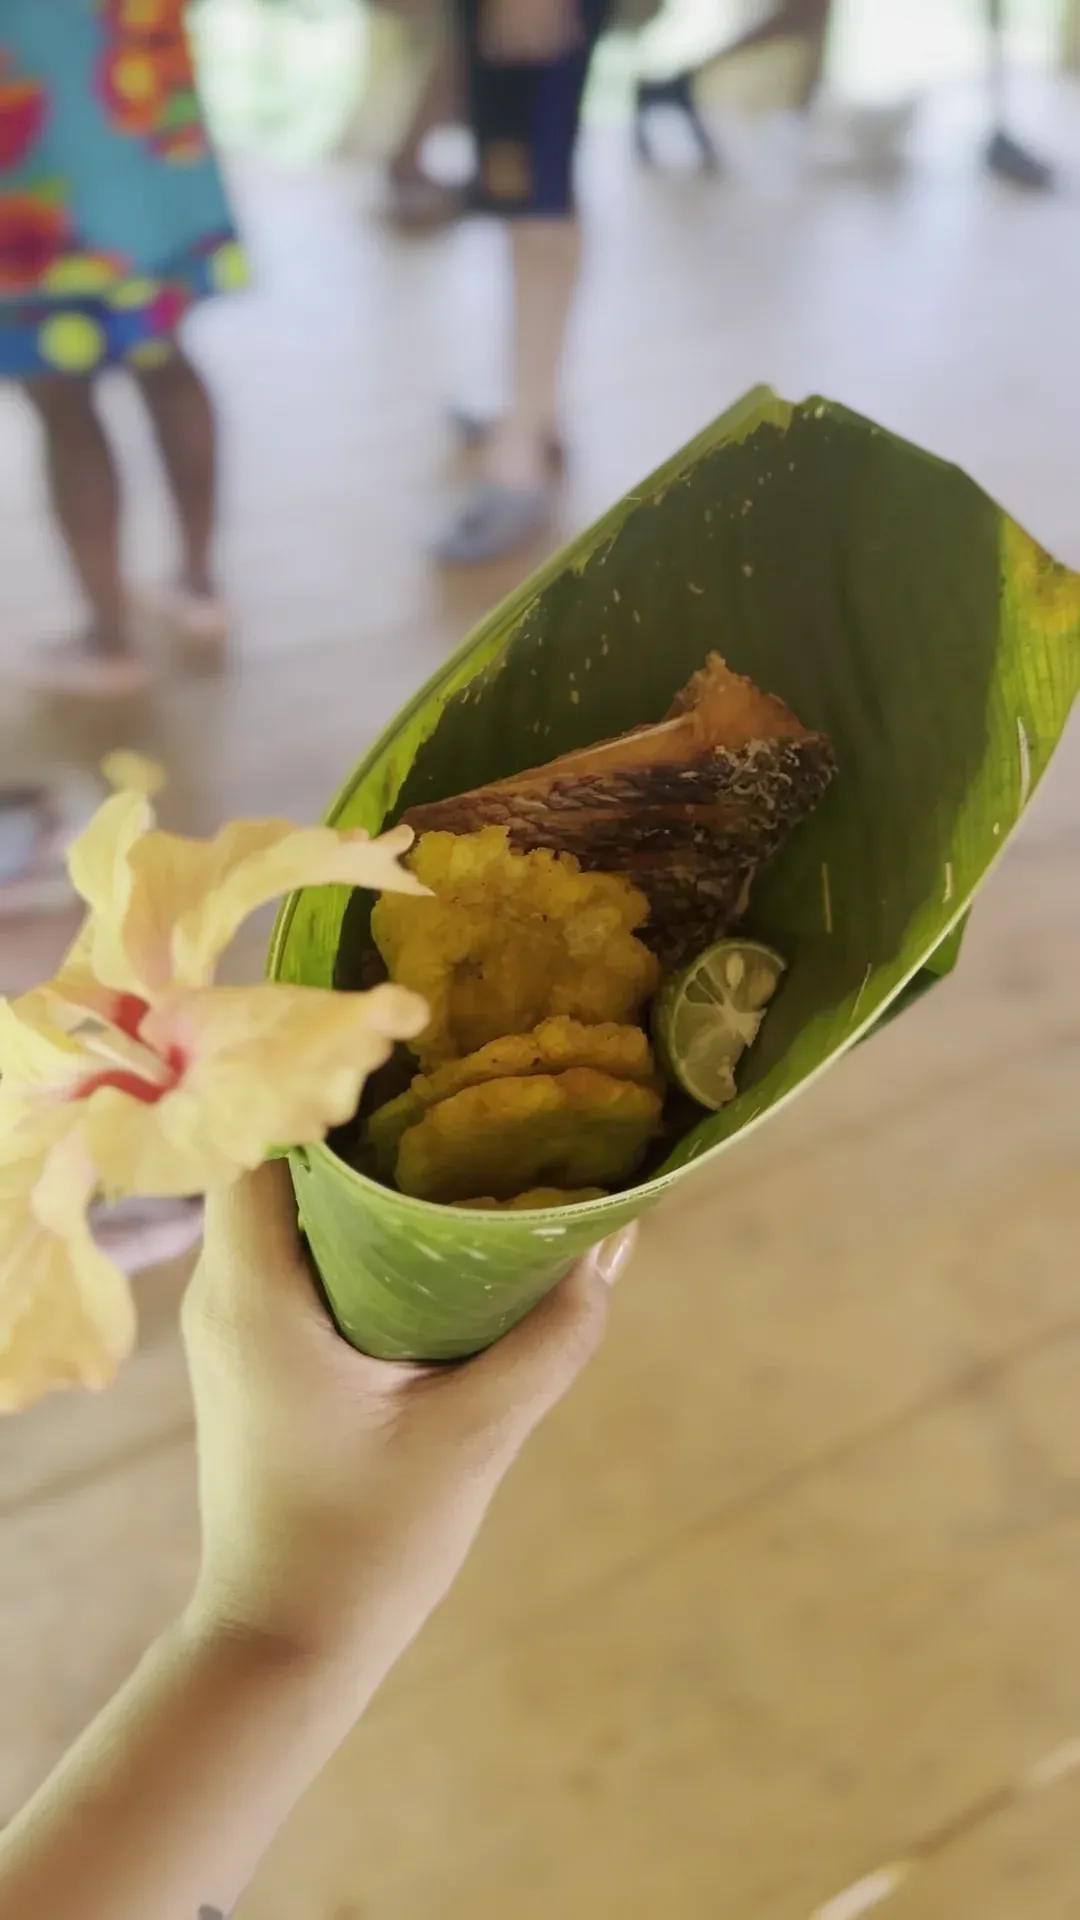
85 494
440 105
183 418
413 200
545 258
520 454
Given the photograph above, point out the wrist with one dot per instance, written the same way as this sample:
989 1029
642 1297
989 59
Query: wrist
211 1632
343 1668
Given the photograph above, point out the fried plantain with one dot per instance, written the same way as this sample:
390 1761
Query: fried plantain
553 1047
506 939
574 1129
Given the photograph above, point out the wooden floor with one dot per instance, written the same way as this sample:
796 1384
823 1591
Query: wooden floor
791 1586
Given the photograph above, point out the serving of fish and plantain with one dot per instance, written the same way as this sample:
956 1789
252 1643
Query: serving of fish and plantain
566 905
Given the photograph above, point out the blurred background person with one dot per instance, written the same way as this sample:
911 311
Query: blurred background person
809 22
113 223
413 199
526 64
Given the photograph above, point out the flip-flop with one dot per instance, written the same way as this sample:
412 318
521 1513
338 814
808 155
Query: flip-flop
72 669
493 521
196 624
474 430
37 823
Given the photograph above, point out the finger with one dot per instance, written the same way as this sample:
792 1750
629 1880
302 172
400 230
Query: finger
252 1225
523 1376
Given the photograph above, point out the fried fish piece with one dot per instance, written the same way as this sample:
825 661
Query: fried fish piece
552 1047
688 809
536 1198
506 939
574 1129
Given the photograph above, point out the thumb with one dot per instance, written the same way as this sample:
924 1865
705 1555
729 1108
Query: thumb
520 1379
253 1263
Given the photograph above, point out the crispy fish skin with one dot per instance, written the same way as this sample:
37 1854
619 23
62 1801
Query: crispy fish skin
508 938
688 809
573 1129
554 1046
536 1198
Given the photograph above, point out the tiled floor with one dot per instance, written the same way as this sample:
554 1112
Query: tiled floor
791 1583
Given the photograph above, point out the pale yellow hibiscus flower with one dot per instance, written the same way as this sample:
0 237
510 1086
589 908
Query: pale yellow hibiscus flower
131 1073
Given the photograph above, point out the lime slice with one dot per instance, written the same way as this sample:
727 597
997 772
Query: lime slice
706 1016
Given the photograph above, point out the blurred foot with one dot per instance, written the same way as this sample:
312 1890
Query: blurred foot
195 620
414 204
474 431
677 94
1008 160
84 670
37 824
495 519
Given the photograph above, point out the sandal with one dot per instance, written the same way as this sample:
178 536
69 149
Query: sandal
474 430
196 624
72 669
37 824
493 521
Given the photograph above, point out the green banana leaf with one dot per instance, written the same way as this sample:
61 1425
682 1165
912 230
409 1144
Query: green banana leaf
881 594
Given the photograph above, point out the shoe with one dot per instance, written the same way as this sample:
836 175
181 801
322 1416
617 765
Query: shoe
1006 158
492 521
473 431
678 94
37 824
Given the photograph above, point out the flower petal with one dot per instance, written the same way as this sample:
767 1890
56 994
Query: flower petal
133 772
99 865
36 1051
265 1066
172 879
66 1314
252 862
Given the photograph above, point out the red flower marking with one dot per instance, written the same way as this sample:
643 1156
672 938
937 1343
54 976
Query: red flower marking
126 1080
145 18
128 1012
167 310
146 81
23 107
32 235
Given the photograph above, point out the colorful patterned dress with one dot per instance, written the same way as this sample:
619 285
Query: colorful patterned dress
113 217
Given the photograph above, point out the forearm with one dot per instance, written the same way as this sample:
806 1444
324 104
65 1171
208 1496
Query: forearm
175 1791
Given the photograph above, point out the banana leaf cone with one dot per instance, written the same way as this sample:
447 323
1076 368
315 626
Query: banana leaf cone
895 610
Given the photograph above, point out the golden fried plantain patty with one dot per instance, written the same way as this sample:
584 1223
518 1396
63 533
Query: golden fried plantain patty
507 939
575 1129
554 1046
